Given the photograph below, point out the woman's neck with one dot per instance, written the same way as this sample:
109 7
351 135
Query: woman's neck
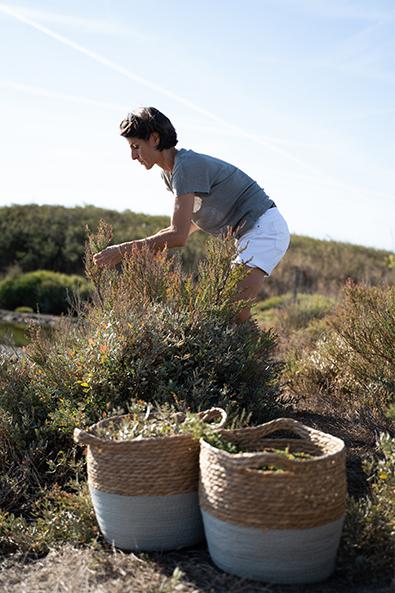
167 158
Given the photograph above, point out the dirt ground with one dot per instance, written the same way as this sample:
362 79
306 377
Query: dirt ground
90 570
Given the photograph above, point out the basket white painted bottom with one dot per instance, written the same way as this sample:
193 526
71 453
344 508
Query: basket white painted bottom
283 556
148 523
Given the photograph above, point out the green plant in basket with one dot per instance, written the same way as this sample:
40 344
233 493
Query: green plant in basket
295 456
153 421
219 441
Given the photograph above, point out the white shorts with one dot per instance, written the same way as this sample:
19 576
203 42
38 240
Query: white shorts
265 244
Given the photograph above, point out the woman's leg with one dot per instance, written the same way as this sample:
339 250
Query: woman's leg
249 288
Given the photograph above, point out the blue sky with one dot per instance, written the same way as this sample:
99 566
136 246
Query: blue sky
298 93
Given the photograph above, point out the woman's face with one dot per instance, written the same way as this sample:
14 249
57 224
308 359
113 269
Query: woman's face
144 151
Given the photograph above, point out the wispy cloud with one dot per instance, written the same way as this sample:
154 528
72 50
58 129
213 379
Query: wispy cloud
87 25
344 10
313 171
121 109
109 63
370 114
50 94
365 53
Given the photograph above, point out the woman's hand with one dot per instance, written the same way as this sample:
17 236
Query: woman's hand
109 257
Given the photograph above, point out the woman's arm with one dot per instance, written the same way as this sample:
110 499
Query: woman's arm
192 229
176 235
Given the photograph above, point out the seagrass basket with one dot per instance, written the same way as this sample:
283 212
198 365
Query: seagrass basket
267 516
145 492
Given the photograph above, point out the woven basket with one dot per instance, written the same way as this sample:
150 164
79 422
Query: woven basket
274 526
144 492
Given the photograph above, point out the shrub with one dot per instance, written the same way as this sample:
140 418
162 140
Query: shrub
275 302
24 310
59 516
150 333
13 334
43 291
351 368
32 452
266 311
367 545
365 324
307 308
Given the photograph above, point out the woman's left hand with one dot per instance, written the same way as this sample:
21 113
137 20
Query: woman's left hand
109 257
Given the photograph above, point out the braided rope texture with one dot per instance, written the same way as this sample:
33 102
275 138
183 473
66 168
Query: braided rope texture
303 495
157 466
150 467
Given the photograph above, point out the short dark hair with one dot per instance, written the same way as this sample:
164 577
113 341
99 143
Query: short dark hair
142 122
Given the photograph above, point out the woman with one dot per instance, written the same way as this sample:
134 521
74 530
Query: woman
210 195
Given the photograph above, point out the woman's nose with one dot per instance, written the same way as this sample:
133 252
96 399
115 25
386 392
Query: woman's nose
134 154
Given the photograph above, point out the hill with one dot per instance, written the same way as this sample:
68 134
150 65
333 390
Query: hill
52 238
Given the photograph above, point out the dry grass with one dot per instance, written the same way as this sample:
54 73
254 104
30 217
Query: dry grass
90 570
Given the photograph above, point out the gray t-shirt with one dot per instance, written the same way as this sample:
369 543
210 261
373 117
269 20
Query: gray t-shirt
224 195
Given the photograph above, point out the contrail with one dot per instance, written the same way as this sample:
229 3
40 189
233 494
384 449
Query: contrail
106 62
163 91
143 81
41 92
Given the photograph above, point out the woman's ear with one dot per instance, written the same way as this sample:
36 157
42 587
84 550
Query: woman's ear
154 139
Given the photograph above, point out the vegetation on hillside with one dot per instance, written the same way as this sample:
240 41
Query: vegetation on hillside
42 291
339 352
311 265
52 238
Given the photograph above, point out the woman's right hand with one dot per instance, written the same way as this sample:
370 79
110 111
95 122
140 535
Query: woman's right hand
109 257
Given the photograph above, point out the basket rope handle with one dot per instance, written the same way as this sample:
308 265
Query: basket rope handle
213 413
284 424
86 438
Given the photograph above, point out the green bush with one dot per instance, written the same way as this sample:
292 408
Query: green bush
24 310
59 516
307 308
13 333
288 317
42 291
275 302
266 311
